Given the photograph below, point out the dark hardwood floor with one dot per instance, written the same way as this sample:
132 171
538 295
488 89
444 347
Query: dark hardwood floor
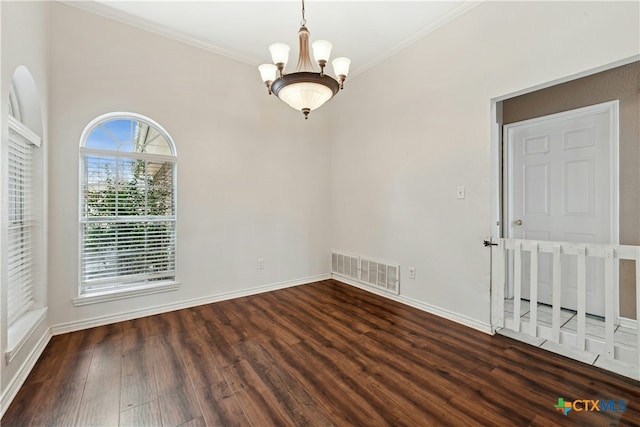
314 355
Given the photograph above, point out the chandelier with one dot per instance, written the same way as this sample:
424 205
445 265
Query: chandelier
305 90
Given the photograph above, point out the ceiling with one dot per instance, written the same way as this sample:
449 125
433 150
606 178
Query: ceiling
365 31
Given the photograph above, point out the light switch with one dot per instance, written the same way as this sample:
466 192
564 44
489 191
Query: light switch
460 192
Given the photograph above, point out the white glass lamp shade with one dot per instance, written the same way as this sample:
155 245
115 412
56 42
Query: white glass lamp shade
268 72
341 66
279 53
321 50
305 95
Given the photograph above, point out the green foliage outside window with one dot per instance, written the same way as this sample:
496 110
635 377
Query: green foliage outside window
136 238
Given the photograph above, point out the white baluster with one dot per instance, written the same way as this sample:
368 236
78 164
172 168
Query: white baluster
557 293
609 308
517 285
582 297
533 291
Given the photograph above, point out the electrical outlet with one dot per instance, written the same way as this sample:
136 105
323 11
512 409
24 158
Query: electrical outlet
412 272
260 263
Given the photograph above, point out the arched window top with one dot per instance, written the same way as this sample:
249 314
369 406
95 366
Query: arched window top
127 133
14 105
24 101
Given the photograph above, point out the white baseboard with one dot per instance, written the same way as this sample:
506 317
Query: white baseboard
78 325
14 386
441 312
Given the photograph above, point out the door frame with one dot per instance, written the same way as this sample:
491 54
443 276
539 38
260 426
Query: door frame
496 185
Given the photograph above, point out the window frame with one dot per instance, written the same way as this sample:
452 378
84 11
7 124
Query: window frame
14 104
31 138
142 288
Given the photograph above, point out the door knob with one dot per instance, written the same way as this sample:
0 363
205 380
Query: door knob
518 222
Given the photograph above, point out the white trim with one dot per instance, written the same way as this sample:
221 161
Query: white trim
625 322
115 115
614 196
429 308
24 328
496 171
565 79
62 328
138 22
124 293
441 21
22 130
129 154
618 367
584 356
10 392
14 103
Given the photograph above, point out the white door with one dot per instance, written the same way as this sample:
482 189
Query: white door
561 181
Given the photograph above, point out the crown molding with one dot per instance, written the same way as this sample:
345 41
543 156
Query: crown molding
443 20
162 30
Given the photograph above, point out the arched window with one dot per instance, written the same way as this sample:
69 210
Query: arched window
127 205
24 212
23 219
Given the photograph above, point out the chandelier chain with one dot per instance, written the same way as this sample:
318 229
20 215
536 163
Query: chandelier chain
304 20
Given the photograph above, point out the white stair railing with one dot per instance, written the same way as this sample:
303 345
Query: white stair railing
515 251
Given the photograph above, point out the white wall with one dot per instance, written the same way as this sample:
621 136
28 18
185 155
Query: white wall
24 39
374 172
421 126
253 175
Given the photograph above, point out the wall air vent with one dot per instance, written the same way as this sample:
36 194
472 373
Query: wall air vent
374 273
380 274
345 265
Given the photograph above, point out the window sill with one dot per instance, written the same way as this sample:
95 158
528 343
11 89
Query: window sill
124 294
21 331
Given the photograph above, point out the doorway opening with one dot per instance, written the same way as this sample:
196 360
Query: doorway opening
565 209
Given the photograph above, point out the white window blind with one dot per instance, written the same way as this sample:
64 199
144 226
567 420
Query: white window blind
20 220
128 224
